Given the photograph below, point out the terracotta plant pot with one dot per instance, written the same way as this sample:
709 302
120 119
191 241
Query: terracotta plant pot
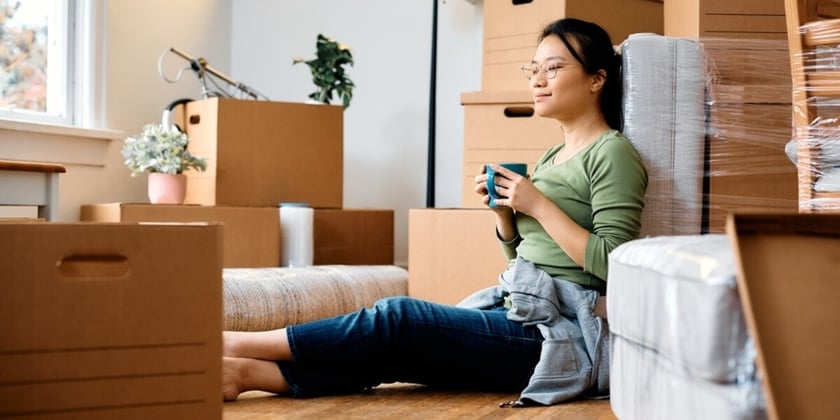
167 188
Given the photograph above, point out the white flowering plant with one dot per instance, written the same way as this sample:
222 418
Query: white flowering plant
160 150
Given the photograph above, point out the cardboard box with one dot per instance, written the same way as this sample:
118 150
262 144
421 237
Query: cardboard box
749 122
511 29
501 127
787 282
353 236
110 321
262 153
747 164
725 19
251 234
452 253
738 61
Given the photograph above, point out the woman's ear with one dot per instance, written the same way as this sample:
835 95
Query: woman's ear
598 81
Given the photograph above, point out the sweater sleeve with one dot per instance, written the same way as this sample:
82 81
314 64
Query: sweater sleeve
509 247
619 181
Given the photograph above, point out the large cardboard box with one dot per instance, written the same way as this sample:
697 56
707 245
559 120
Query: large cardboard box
261 153
511 29
788 286
501 127
251 234
747 164
725 18
751 61
452 253
105 321
353 236
749 123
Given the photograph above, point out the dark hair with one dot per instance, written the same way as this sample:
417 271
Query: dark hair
595 52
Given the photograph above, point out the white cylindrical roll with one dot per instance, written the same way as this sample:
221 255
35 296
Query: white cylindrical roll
296 234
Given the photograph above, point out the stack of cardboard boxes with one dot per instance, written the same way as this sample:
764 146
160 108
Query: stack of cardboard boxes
261 154
749 118
105 320
749 104
453 252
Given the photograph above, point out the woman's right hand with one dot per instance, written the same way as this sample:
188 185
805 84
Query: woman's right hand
505 226
480 188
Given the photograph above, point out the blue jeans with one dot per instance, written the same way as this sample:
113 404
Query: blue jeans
402 339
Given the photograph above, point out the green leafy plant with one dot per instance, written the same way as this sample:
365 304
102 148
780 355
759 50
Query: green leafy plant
159 150
328 71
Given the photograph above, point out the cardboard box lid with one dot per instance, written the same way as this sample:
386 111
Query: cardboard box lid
497 97
789 286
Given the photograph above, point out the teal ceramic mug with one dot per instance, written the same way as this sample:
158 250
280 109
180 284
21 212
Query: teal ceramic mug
519 168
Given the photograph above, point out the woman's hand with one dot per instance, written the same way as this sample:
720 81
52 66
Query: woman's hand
505 226
481 189
481 182
517 192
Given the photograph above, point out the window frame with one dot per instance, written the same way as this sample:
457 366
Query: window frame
81 95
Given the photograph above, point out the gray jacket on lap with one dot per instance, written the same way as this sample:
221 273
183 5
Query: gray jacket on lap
575 354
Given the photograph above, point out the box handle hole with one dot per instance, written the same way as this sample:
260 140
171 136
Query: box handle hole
519 111
94 267
518 2
195 119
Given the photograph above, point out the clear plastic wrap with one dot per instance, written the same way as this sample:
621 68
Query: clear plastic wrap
749 124
711 117
664 117
815 148
679 344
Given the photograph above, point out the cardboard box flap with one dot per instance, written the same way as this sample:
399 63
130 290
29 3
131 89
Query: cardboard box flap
789 287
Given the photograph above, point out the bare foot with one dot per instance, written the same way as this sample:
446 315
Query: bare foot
232 381
265 345
230 341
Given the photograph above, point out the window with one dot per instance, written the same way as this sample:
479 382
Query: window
37 81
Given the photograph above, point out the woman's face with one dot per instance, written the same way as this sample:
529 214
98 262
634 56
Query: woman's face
571 92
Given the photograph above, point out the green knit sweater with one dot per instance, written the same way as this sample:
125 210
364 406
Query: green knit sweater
602 189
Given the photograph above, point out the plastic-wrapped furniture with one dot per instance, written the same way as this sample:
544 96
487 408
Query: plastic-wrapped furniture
813 39
664 117
679 345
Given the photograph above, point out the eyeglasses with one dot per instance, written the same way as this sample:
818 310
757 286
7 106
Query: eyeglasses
549 70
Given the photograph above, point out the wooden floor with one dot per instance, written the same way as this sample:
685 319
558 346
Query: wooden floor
407 401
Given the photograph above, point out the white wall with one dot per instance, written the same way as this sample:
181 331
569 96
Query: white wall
386 125
135 94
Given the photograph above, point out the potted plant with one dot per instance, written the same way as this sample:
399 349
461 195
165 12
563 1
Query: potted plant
162 152
328 71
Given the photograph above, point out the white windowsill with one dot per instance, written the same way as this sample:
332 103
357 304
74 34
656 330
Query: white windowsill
55 143
61 130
